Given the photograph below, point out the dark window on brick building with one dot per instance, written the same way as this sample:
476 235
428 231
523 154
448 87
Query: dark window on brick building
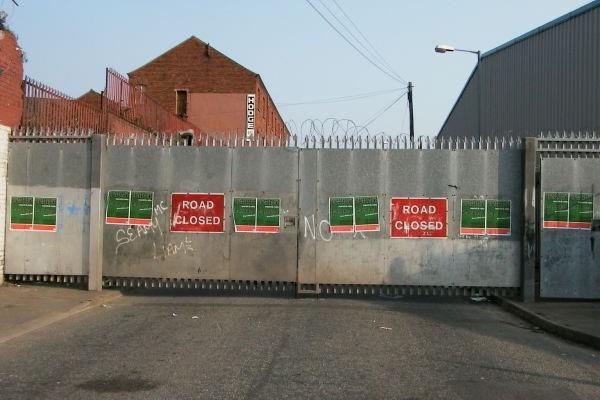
181 103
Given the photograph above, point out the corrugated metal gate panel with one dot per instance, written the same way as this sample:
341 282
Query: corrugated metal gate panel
351 257
266 173
570 259
304 180
375 258
240 172
164 170
60 170
456 175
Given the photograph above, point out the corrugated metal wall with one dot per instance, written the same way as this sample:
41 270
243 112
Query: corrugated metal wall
548 81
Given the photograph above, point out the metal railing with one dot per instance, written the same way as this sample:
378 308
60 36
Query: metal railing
45 107
569 144
130 103
308 142
350 142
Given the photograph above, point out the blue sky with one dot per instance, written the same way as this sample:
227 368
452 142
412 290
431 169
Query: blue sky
301 59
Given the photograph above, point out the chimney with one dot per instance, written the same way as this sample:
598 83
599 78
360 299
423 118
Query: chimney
208 49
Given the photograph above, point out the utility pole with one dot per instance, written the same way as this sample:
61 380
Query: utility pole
479 72
410 113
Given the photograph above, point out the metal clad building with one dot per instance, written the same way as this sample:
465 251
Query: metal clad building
545 80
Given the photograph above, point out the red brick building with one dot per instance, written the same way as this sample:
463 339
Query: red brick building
11 76
92 99
210 90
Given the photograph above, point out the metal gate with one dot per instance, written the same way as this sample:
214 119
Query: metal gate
74 174
569 217
373 261
230 256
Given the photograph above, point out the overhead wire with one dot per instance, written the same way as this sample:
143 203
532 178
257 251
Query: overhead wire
377 53
352 44
356 39
382 111
342 98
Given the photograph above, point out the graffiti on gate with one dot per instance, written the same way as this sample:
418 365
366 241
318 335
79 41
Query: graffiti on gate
125 236
172 249
322 230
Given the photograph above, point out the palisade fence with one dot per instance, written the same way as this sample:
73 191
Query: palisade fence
348 142
554 144
132 104
124 109
48 108
304 173
569 144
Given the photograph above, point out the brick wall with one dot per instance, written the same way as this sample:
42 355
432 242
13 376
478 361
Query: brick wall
92 99
11 76
218 112
191 65
268 119
195 66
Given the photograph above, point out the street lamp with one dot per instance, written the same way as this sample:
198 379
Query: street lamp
444 48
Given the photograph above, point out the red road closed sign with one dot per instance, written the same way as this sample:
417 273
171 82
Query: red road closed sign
418 217
197 212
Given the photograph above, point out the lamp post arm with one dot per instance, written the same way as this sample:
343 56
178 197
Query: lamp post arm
478 52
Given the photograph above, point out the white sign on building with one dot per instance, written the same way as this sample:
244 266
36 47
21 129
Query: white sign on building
250 114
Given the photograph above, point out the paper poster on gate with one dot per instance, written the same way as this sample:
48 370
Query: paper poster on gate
29 213
418 217
491 217
353 214
256 215
563 210
197 212
129 207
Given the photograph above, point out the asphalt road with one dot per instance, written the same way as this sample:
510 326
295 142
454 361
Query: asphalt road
255 348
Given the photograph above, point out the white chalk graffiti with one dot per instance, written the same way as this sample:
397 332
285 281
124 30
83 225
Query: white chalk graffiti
172 249
323 232
125 236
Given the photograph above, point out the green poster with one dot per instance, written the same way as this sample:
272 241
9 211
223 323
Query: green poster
125 207
498 217
568 210
44 213
21 212
366 213
117 207
581 209
556 209
140 208
33 213
341 214
267 215
472 219
244 214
